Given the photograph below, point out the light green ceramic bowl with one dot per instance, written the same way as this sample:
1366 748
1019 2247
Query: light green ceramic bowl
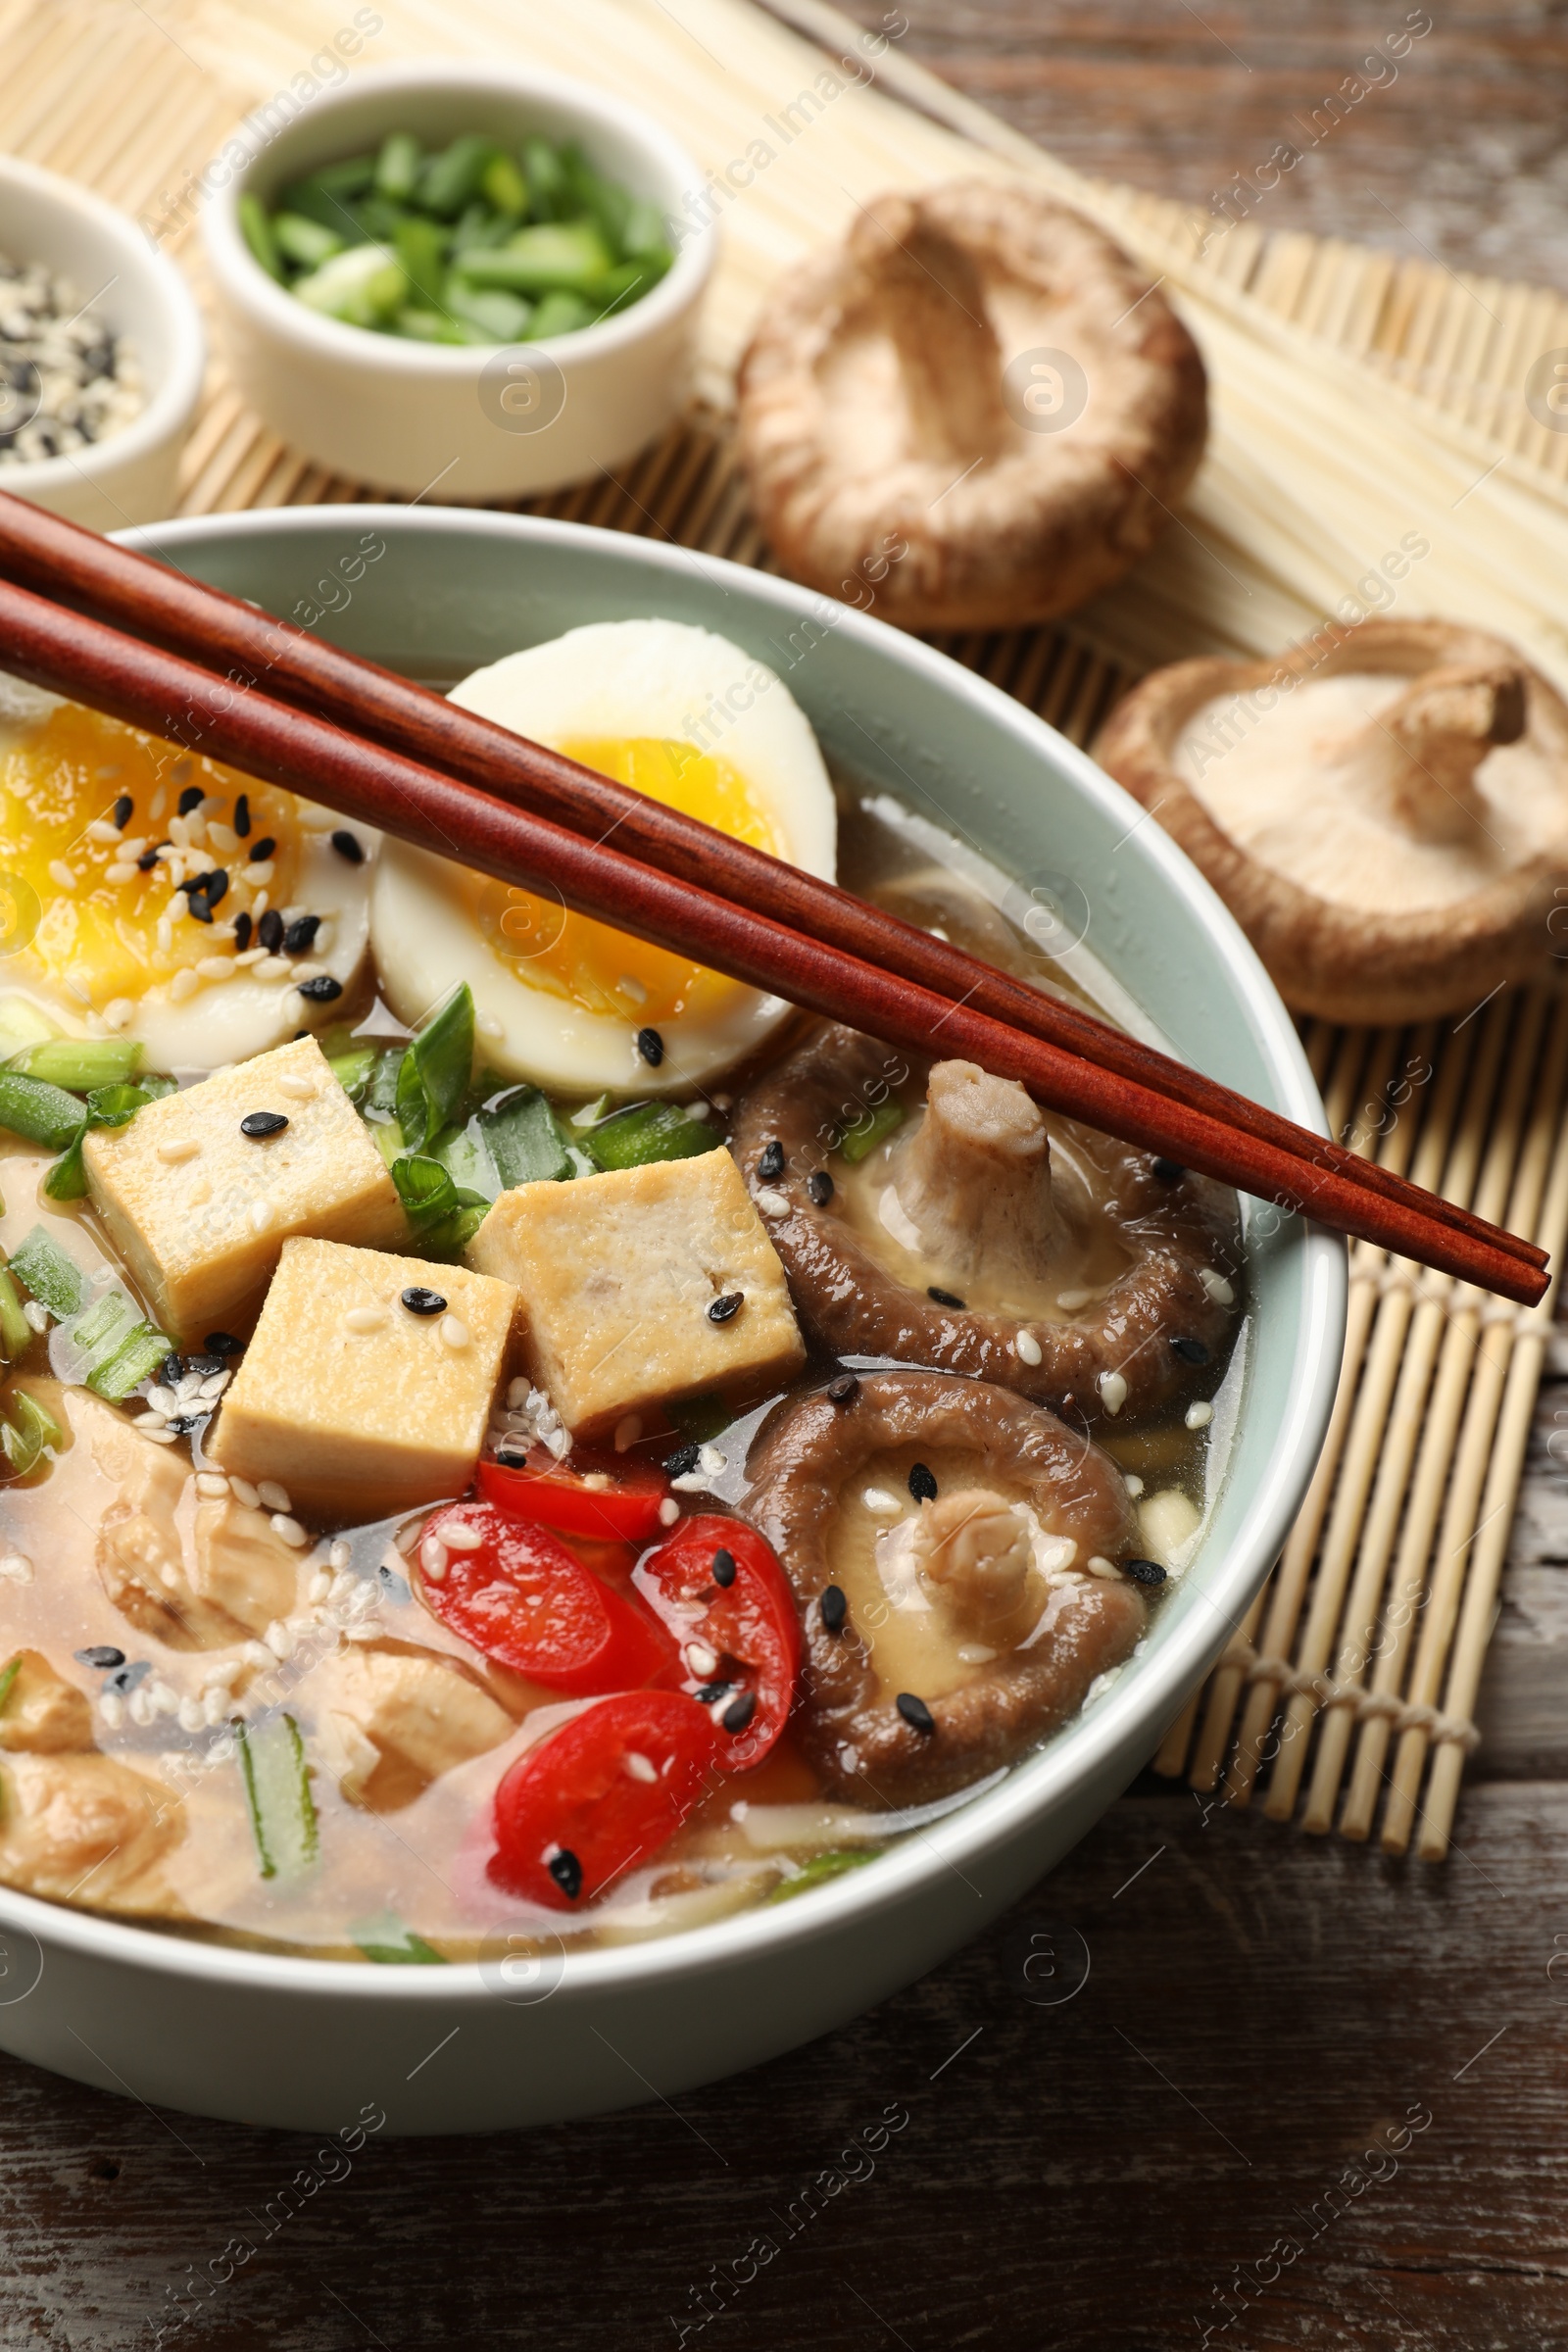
301 2043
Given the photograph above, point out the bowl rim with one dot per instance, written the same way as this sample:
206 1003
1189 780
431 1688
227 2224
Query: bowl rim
159 285
238 271
1125 1719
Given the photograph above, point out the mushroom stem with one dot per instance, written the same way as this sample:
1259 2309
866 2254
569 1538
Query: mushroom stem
974 1178
931 305
975 1550
1420 756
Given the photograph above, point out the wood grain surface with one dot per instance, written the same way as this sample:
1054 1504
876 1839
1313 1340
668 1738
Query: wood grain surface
1306 2097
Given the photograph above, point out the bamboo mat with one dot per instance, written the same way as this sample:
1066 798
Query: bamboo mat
1345 1698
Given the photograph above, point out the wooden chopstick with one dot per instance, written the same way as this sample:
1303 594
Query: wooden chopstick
75 656
61 560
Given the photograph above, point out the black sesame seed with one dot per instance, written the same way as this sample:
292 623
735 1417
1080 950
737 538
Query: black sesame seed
221 1343
102 1654
300 937
650 1046
682 1461
395 1587
215 887
844 1389
566 1871
725 1308
771 1162
922 1486
185 1423
510 1460
203 1365
258 1124
242 931
1144 1572
916 1714
323 990
834 1608
819 1188
943 1297
124 809
169 1370
270 931
125 1680
1191 1352
261 851
420 1301
191 798
723 1568
1169 1172
709 1691
199 907
348 846
149 857
242 814
738 1714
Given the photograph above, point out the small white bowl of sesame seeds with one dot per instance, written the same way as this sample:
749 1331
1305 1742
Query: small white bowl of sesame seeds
101 355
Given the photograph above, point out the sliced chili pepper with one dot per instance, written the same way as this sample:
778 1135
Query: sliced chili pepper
721 1591
594 1495
603 1793
524 1599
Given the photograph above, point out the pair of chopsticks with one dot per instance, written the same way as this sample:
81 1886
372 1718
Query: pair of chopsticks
157 649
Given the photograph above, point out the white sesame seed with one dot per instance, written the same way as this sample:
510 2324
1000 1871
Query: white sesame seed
638 1768
61 874
723 1102
457 1538
122 870
163 1697
668 1511
711 1460
289 1531
216 967
274 1496
1132 1484
183 985
192 1715
365 1318
158 1435
257 1653
257 871
1218 1288
689 1481
519 1392
627 986
180 831
696 1110
1099 1565
701 1660
1112 1392
454 1330
252 956
17 1566
772 1202
179 1147
102 830
274 967
280 1641
215 1705
295 1083
880 1502
308 971
212 1483
166 933
222 838
1199 1416
258 1216
433 1559
245 1492
112 1707
118 1012
141 1707
1070 1300
186 1387
78 989
486 1024
340 1554
35 1315
628 1432
1029 1348
213 1386
320 1586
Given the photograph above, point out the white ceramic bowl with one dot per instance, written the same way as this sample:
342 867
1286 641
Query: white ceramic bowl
128 477
466 423
273 2039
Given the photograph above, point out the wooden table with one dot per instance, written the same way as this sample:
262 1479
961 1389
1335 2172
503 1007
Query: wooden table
1304 2097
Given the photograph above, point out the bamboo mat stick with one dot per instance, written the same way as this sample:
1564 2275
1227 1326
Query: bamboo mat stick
1421 1309
1171 1753
1352 1050
1492 1537
1490 1342
1379 1371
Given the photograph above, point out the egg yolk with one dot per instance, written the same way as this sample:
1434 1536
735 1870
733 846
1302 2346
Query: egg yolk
604 971
96 881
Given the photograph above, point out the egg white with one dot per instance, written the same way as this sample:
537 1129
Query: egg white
617 680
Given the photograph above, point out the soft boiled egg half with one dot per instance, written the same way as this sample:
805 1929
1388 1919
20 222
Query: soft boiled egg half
148 893
693 721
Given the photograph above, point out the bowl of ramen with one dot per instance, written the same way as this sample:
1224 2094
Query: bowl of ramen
567 1527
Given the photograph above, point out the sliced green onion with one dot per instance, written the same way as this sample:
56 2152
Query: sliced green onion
354 1070
8 1676
304 241
23 1438
649 1131
464 1152
524 1139
256 230
444 1214
67 1179
389 1942
353 177
80 1062
421 250
362 287
277 1789
43 1113
455 176
861 1141
504 186
135 1359
436 1067
566 255
646 235
559 315
822 1867
16 1332
501 318
608 205
53 1277
549 194
397 166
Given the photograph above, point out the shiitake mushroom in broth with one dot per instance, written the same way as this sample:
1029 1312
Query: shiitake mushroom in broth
505 1430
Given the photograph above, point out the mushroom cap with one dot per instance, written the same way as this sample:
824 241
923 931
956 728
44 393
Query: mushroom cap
975 413
863 1747
1358 958
1181 1230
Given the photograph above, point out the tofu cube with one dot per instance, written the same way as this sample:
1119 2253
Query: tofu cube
352 1402
615 1275
198 1211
